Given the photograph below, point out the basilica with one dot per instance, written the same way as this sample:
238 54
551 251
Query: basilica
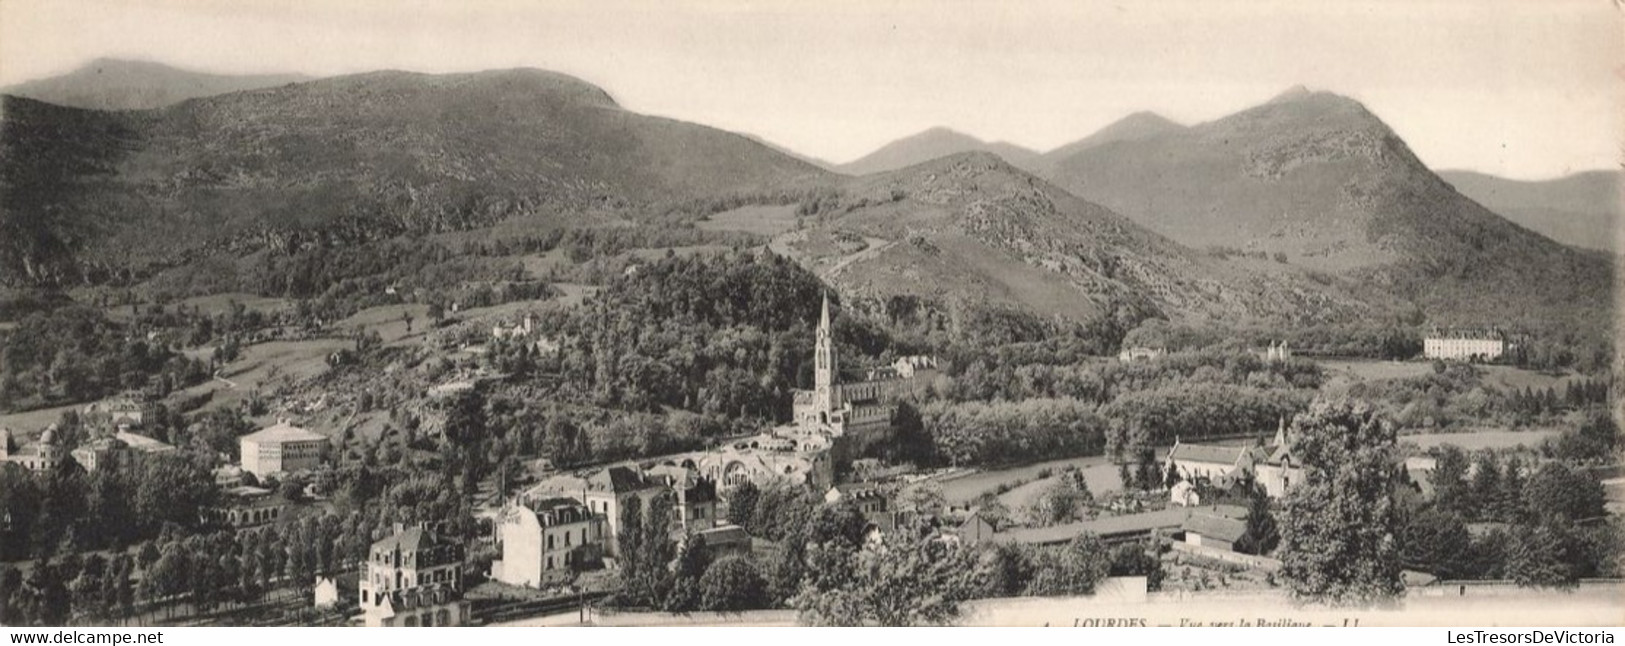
860 408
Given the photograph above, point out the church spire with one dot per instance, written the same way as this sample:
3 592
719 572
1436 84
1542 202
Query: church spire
823 319
826 371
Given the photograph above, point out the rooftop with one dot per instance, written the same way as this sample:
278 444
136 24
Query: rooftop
1215 526
143 443
1207 453
283 432
1170 518
723 535
411 539
620 479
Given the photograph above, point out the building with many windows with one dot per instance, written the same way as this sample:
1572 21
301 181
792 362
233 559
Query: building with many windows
414 578
1464 345
544 542
604 492
281 448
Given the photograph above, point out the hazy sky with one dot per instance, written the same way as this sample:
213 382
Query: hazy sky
1526 89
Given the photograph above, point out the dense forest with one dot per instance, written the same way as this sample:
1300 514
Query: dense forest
77 354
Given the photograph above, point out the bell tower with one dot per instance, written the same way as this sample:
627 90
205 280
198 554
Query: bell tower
826 393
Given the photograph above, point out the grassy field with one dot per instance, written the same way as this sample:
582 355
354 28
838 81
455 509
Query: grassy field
388 321
1499 376
1102 477
30 423
265 362
213 304
1372 369
758 219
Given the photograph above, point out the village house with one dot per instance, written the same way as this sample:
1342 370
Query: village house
102 453
544 542
281 448
975 530
1184 494
1215 530
1277 352
325 593
696 496
414 578
870 500
121 413
1136 354
723 540
1277 472
1272 467
604 492
1219 465
119 450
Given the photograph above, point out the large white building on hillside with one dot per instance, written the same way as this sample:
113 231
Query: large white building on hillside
1464 345
281 448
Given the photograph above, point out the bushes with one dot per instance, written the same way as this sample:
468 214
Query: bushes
1002 432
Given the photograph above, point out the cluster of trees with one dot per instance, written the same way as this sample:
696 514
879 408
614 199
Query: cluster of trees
1593 442
75 354
979 433
1540 523
186 572
833 573
68 511
1043 409
684 576
1456 394
1398 337
1557 346
1347 552
1065 500
116 544
1195 412
726 336
580 245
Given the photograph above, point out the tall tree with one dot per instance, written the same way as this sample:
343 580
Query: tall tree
904 579
1262 534
732 584
1339 527
1560 493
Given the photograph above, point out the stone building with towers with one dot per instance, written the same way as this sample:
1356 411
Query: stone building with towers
40 456
856 405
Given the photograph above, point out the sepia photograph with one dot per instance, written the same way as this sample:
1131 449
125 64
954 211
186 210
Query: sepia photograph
774 313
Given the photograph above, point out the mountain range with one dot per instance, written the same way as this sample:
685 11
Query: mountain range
344 159
114 84
1305 209
1583 209
941 142
1319 179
